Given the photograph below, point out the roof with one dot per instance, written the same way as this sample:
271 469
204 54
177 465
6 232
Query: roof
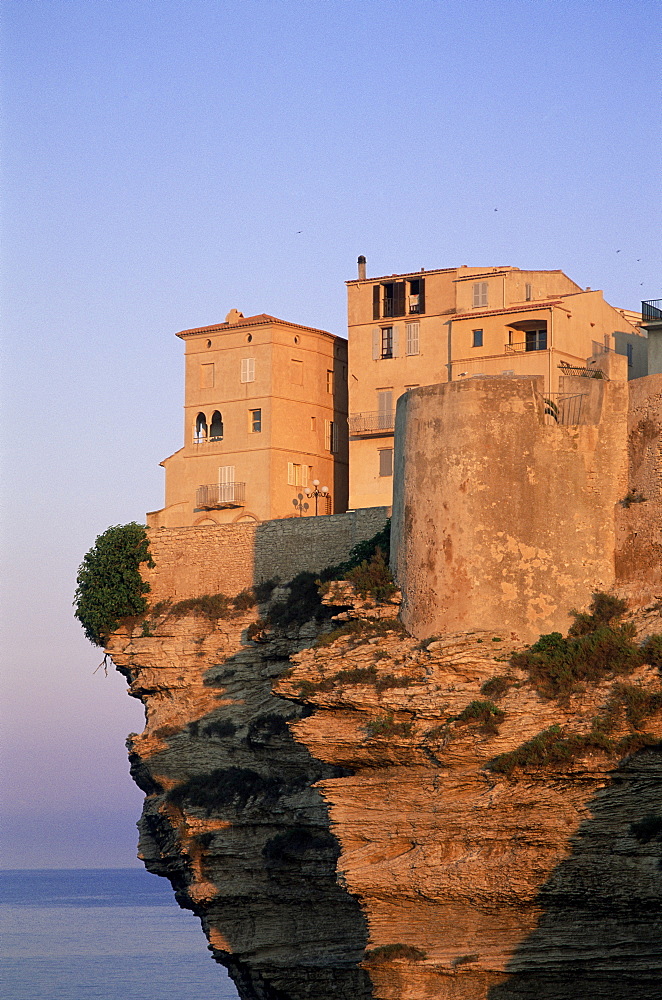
262 319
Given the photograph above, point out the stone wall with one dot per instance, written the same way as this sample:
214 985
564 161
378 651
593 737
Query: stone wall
500 521
212 559
639 525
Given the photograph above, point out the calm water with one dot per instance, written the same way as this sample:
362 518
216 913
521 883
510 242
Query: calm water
110 934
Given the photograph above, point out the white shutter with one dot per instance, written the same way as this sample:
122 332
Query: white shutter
376 343
225 474
304 475
327 435
413 338
291 474
248 369
396 342
334 436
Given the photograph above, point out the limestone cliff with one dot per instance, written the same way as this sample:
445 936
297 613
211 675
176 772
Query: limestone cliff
324 797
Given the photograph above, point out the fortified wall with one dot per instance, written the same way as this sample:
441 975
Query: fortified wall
509 505
227 558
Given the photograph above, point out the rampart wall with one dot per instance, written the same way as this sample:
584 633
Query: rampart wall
639 525
227 558
500 520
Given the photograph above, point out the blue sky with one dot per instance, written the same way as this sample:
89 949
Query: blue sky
165 162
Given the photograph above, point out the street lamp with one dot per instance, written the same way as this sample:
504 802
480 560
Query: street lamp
317 492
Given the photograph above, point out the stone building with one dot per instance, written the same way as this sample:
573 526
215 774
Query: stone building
265 414
431 327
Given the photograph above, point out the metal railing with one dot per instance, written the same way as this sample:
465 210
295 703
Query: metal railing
651 310
537 344
581 371
562 409
221 495
371 423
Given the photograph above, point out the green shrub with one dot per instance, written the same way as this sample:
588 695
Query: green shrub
264 590
356 675
633 496
484 712
558 666
549 748
232 786
647 829
372 578
389 952
364 551
638 702
266 727
244 600
109 586
298 844
386 726
211 606
219 728
497 686
605 610
651 650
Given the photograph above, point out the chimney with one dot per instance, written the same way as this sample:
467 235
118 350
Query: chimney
361 263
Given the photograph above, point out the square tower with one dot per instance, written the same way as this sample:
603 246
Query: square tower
265 414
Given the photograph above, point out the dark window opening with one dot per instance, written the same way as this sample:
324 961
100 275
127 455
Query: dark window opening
200 433
256 421
478 338
536 340
216 429
417 295
387 341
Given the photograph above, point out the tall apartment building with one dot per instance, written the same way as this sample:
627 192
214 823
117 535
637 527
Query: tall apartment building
265 414
427 327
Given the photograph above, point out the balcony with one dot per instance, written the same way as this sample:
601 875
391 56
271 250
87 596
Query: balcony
375 422
534 343
651 311
217 496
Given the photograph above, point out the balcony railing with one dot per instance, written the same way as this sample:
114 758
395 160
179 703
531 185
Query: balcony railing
561 408
651 311
220 495
371 423
534 344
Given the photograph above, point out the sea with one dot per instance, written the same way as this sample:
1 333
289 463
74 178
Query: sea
102 934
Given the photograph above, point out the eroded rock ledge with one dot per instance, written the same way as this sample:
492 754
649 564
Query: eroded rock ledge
323 801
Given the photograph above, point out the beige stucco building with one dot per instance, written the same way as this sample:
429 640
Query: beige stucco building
431 327
265 414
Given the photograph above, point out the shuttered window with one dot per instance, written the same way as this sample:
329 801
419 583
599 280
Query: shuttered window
331 435
385 461
248 369
376 293
297 475
413 338
479 294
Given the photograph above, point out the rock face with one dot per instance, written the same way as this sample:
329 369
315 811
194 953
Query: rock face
326 802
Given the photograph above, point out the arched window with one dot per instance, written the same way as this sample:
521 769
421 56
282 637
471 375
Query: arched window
216 429
200 433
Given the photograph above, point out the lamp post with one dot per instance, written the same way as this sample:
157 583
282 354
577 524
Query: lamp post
317 492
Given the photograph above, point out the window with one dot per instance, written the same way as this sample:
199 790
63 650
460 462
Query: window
255 422
206 376
331 435
200 431
477 338
629 348
387 341
226 483
417 295
479 294
297 475
296 372
412 338
313 424
216 429
248 369
528 293
385 461
329 381
536 340
384 409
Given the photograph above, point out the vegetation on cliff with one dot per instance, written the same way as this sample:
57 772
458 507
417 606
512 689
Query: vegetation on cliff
109 585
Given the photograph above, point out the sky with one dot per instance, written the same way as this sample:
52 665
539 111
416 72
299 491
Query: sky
165 162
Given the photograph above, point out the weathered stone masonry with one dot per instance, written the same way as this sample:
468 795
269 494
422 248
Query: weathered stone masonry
230 557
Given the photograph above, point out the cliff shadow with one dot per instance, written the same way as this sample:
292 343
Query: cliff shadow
247 842
600 933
